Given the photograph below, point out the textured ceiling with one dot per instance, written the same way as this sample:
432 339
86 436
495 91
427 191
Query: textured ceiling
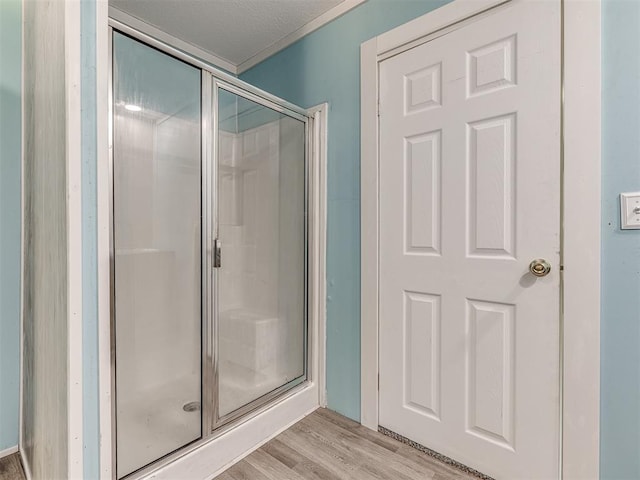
235 30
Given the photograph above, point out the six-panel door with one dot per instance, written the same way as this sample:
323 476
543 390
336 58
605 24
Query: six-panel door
469 195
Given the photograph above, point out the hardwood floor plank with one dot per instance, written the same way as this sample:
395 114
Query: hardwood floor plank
328 446
374 456
373 461
11 468
310 470
272 468
336 418
224 476
340 463
426 461
375 437
283 453
379 472
245 471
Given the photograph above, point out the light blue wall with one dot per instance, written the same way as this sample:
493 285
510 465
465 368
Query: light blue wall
10 145
325 66
620 327
89 148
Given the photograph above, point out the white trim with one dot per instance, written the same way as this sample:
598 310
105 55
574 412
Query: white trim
175 42
8 451
582 117
103 199
415 31
25 465
21 445
293 37
74 241
318 211
581 341
369 235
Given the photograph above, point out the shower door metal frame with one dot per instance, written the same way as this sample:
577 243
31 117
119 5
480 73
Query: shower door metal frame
205 168
219 421
212 79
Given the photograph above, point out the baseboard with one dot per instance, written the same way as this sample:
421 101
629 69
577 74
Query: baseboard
25 466
8 451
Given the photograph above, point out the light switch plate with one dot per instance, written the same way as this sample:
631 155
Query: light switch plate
630 211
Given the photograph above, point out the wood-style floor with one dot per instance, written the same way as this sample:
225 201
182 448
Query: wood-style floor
322 446
11 468
328 446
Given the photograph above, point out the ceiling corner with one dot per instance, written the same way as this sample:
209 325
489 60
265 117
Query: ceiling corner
291 38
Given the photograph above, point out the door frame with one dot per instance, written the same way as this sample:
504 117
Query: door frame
580 237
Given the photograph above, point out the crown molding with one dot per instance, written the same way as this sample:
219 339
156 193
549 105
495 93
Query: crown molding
221 62
293 37
175 42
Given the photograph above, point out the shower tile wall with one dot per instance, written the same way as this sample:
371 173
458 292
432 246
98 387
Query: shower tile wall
261 289
249 205
250 328
150 258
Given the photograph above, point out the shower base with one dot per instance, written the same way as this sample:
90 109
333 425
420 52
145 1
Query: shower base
154 422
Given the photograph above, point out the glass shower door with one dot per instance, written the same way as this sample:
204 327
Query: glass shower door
157 252
261 304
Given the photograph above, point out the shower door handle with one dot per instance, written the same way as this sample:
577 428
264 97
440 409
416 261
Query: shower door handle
217 254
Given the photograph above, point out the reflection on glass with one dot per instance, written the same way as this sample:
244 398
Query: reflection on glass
157 204
261 284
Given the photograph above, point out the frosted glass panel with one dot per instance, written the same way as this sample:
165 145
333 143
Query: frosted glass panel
261 283
156 210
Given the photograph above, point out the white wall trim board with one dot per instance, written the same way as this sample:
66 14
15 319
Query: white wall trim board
418 30
369 214
582 172
8 451
318 193
581 249
175 42
74 241
293 37
25 465
22 256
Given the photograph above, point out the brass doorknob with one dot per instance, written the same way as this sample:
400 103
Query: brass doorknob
540 267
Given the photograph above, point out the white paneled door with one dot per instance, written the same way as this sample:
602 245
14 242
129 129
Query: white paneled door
469 196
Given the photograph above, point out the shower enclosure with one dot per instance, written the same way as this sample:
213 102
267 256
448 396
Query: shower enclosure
209 251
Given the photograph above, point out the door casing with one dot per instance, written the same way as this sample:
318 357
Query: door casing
580 251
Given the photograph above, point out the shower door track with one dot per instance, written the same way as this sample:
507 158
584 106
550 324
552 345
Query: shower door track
212 80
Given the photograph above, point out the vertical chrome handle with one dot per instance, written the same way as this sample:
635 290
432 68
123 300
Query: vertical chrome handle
217 254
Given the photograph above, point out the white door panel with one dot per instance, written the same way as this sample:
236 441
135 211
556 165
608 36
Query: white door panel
469 195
